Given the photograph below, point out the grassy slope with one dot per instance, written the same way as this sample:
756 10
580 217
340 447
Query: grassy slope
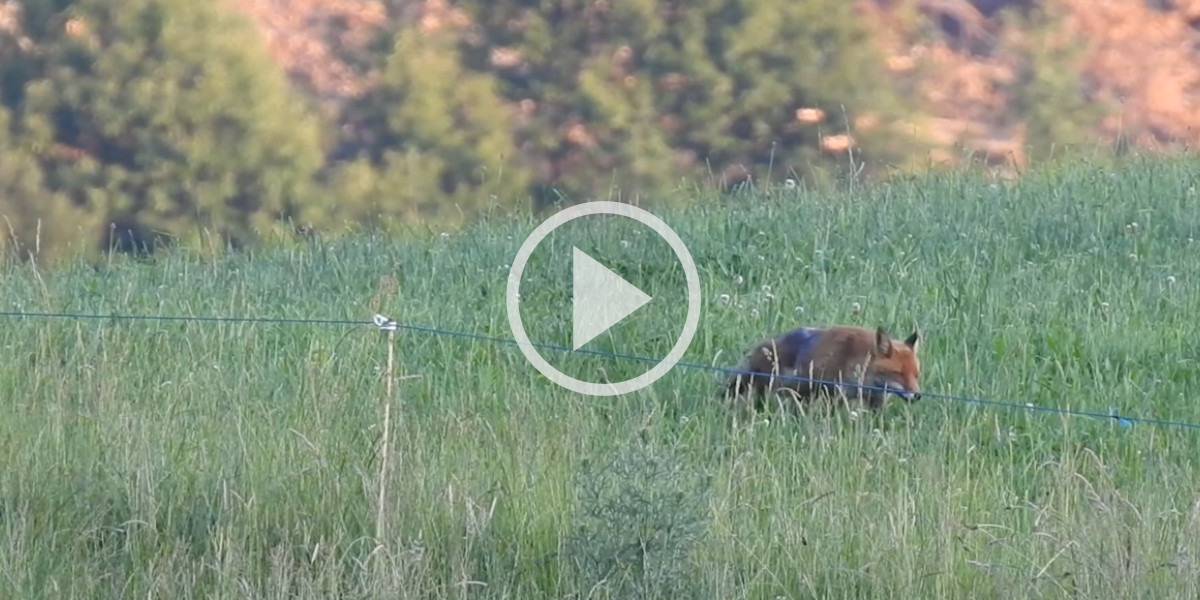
234 460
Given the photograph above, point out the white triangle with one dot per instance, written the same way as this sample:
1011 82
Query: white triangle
600 298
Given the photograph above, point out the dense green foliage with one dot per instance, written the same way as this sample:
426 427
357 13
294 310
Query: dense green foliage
1050 91
147 118
127 124
183 460
135 123
434 140
654 88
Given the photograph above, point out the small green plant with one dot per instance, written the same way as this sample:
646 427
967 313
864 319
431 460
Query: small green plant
638 516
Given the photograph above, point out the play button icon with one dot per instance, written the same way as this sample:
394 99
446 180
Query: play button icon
601 298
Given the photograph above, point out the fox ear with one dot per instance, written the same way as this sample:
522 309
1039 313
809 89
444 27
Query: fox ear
912 341
883 343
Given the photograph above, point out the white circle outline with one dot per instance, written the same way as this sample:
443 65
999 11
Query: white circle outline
512 302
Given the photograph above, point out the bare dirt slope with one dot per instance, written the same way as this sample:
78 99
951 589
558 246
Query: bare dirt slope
1140 61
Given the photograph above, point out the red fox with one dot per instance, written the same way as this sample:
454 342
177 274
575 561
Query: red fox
825 357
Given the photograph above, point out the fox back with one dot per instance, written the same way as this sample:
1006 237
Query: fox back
857 361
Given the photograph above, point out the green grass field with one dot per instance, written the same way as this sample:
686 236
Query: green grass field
149 459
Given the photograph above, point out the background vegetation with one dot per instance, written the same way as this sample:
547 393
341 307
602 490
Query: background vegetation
132 125
171 459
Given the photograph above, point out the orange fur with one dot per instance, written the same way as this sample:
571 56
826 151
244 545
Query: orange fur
830 356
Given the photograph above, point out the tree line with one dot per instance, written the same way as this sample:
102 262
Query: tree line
127 124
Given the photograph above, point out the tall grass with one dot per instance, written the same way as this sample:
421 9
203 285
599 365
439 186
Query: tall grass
240 460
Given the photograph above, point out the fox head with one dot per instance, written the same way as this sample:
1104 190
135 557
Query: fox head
895 366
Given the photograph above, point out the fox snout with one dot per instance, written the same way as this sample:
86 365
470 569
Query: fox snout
908 395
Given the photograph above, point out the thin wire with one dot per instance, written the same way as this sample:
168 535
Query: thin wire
1124 420
117 317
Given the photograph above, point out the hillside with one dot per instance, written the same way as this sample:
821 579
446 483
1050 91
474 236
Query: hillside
434 110
1136 61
